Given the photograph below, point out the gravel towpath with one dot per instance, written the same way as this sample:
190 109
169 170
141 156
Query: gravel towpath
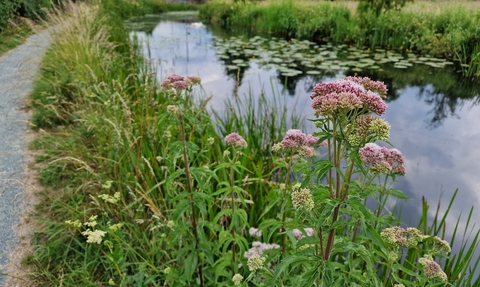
18 70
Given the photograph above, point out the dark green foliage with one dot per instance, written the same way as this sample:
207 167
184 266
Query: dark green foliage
7 11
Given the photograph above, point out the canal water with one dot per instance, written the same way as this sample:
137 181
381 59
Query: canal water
433 113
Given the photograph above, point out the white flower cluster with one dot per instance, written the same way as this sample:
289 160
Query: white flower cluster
237 279
302 199
94 236
112 199
255 262
258 248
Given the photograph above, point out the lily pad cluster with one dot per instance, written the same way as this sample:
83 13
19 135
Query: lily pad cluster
296 57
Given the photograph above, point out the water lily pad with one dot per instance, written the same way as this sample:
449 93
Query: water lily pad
313 72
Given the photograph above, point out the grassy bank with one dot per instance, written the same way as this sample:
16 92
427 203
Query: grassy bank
141 188
112 148
450 33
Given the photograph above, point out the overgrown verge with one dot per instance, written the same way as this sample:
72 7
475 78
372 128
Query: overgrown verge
142 188
114 157
452 34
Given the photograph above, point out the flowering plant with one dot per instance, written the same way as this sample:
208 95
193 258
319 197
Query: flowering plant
343 240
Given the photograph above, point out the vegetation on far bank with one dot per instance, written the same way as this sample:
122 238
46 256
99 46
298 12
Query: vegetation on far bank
451 33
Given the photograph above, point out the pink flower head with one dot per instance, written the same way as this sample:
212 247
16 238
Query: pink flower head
334 103
395 235
432 269
374 102
175 78
350 93
180 85
383 159
336 87
306 151
166 84
255 232
371 153
235 140
374 86
309 231
311 140
297 136
395 158
299 234
193 80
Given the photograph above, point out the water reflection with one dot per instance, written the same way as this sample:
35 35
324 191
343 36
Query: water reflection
432 113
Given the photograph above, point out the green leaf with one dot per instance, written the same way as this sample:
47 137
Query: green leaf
321 168
398 194
190 265
222 213
287 262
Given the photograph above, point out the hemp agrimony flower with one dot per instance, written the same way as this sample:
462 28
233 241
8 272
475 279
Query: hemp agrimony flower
235 140
382 160
237 279
395 235
344 96
255 232
172 109
302 199
258 248
256 262
179 83
432 269
299 235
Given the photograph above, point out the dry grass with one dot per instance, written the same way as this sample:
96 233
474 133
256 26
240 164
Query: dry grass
435 7
421 7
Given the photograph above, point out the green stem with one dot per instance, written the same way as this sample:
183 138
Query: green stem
387 274
287 180
190 191
233 206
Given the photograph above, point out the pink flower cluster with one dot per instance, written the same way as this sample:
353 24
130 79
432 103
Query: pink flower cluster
299 234
330 99
258 248
400 237
432 269
295 140
180 83
382 159
235 140
374 86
